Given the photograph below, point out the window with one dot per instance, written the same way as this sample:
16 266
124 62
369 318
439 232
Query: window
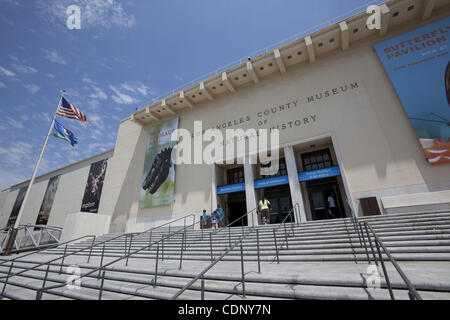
235 175
282 170
317 160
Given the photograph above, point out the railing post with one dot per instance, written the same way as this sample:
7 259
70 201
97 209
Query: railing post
276 246
257 243
371 246
242 271
292 227
285 236
129 250
101 261
253 220
101 285
202 296
156 266
229 236
150 242
62 261
364 240
386 277
182 249
126 243
162 249
6 280
169 227
210 245
90 250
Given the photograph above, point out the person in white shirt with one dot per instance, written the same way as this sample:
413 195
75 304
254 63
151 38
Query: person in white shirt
331 206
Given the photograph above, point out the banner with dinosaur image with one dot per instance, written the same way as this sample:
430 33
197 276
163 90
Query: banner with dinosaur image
158 183
418 64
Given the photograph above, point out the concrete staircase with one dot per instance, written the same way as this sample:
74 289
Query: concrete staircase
316 260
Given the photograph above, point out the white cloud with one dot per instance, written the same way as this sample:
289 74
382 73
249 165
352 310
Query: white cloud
2 85
13 58
53 56
32 88
50 75
24 69
94 13
98 94
14 123
6 72
121 98
139 88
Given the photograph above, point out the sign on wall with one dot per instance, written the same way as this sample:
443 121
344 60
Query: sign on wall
418 63
16 208
47 202
94 186
158 184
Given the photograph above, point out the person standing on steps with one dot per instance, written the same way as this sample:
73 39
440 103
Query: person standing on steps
214 219
220 215
264 209
204 220
331 206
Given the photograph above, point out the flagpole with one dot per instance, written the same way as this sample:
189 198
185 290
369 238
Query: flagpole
13 233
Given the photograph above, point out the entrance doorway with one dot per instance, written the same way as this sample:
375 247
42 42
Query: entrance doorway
236 208
281 203
319 192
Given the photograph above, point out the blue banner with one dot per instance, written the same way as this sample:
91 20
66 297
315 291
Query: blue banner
319 174
271 182
231 188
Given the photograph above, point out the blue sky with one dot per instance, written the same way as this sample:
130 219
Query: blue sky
126 54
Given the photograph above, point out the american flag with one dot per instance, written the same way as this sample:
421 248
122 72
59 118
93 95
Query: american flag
67 110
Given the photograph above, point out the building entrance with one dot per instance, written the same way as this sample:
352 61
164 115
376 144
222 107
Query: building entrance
236 207
325 199
281 203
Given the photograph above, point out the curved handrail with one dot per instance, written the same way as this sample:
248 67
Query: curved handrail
94 245
44 289
201 274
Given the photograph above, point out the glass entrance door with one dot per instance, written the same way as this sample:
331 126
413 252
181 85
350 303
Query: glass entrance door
325 199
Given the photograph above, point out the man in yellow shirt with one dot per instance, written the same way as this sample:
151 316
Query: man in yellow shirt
264 209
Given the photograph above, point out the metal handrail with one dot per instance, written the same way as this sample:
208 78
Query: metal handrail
103 267
94 245
231 223
127 256
412 292
28 232
43 249
217 260
358 226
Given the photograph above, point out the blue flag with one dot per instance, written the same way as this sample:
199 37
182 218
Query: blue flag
60 132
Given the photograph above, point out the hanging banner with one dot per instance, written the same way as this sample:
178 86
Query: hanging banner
47 203
94 186
16 208
418 65
158 184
